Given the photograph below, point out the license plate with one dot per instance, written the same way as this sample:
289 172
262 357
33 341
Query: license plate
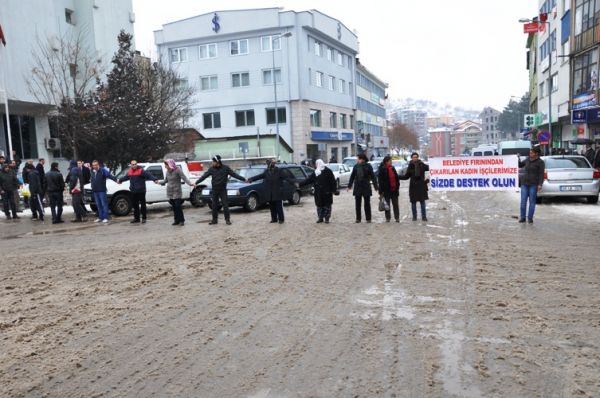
88 198
569 188
205 192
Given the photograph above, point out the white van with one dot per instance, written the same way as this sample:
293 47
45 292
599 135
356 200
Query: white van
484 150
520 147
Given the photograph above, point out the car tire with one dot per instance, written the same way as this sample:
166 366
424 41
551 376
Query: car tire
295 198
251 203
592 199
120 205
196 198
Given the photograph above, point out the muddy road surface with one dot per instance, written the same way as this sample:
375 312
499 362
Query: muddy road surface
469 304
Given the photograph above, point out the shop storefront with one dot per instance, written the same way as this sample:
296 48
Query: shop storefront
328 145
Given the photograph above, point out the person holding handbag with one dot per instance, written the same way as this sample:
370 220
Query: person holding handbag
325 187
389 188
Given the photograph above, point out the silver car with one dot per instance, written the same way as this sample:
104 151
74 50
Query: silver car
341 173
570 175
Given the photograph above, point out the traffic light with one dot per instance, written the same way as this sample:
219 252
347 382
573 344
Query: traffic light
529 120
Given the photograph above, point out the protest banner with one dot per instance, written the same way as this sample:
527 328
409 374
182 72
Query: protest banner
475 173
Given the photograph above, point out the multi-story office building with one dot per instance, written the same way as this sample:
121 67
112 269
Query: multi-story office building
415 119
96 22
489 122
553 70
370 112
235 57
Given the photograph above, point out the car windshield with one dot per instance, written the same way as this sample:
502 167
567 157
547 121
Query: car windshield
248 172
398 163
567 163
333 167
350 162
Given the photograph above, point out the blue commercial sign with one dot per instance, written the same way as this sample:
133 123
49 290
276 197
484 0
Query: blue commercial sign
584 100
331 136
593 115
579 117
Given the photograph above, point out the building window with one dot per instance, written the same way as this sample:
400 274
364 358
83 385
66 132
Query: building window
319 79
331 83
268 76
318 48
350 89
207 51
333 120
181 85
330 54
340 58
238 47
341 86
244 118
209 83
179 55
542 90
212 120
281 115
352 122
585 72
23 135
554 83
349 62
69 16
241 79
270 43
315 118
342 120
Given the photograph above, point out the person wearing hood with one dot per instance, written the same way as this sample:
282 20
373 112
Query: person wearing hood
9 183
137 178
417 189
361 178
325 187
274 180
389 187
55 185
36 190
220 174
174 177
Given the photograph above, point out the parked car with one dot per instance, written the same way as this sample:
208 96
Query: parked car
341 172
375 164
349 162
401 166
119 196
254 195
520 147
569 175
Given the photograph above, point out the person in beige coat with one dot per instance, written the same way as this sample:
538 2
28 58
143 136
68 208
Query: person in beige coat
173 180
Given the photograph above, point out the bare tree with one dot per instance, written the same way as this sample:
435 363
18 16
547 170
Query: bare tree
401 135
64 71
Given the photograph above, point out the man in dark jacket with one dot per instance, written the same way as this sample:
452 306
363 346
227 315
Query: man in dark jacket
531 182
76 184
98 180
596 162
589 153
42 174
417 186
9 184
274 180
137 178
55 185
361 178
35 189
219 173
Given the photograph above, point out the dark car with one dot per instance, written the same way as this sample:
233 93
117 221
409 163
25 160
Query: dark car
252 196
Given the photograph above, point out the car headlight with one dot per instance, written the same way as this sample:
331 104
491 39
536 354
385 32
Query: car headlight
206 192
233 192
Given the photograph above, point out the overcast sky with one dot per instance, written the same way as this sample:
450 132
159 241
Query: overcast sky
468 53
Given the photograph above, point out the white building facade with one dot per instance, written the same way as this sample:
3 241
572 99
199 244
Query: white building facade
234 57
98 21
489 123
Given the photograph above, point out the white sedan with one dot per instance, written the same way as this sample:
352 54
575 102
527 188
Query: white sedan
341 173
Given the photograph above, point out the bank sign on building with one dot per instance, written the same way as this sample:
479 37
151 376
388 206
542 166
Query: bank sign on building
251 81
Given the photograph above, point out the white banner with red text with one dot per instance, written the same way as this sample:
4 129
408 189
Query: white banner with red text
474 173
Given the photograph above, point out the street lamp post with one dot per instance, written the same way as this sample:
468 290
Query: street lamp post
550 84
273 38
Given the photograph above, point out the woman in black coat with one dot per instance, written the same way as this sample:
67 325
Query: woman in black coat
389 187
325 187
274 178
417 190
361 178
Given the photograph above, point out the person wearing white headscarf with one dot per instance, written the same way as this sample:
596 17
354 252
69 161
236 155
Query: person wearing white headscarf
325 187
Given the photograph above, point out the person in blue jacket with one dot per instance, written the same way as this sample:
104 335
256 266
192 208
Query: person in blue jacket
98 179
137 178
